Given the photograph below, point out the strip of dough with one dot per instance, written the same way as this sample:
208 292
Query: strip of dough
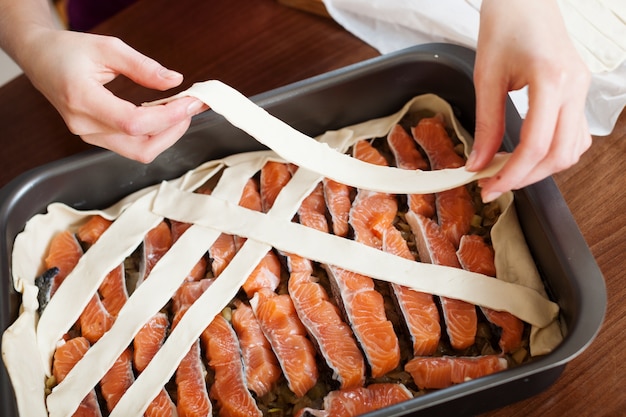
521 301
308 153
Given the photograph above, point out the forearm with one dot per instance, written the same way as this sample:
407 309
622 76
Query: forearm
21 23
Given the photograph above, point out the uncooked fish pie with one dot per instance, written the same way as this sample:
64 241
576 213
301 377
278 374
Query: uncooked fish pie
327 276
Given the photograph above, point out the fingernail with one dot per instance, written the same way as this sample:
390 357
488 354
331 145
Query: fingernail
169 74
194 107
489 197
471 160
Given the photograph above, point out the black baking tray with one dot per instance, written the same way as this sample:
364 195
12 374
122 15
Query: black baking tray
363 91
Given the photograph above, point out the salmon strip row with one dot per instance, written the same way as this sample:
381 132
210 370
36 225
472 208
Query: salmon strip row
65 357
99 315
455 208
477 256
418 308
288 338
261 367
192 397
229 390
442 372
117 379
198 271
146 344
276 313
267 273
113 291
361 400
321 318
433 247
364 308
407 156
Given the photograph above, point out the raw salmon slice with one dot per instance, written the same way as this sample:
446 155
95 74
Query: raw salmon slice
274 176
312 211
155 244
64 253
95 320
113 291
146 344
65 357
198 272
117 379
338 202
229 389
222 252
436 373
372 213
188 293
365 311
93 229
455 208
260 364
418 309
407 156
192 397
364 151
288 338
357 401
477 256
149 339
430 133
433 247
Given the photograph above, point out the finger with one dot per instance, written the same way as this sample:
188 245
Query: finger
140 68
572 139
139 148
491 96
106 114
536 136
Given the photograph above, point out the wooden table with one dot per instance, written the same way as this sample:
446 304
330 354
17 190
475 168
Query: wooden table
258 45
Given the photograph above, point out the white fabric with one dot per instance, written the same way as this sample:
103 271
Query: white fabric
597 28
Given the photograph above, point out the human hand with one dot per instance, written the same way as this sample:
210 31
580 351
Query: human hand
71 70
525 43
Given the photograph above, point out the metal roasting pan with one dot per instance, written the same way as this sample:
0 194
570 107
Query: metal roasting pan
373 88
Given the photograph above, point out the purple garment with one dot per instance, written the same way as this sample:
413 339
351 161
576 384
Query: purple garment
83 15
